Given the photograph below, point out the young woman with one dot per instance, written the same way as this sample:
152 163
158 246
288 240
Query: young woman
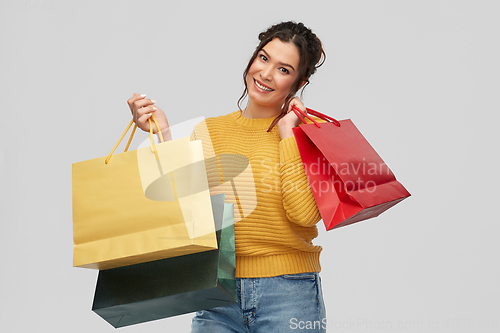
277 265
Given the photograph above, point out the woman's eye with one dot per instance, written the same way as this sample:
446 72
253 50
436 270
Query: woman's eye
284 70
263 57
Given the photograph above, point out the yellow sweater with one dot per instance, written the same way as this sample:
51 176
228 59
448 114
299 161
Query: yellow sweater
275 211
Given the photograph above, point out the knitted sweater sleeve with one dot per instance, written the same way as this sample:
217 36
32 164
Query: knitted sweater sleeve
298 199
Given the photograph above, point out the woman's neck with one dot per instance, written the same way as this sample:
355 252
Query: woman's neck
254 111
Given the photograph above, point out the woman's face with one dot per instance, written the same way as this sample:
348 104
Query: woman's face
273 73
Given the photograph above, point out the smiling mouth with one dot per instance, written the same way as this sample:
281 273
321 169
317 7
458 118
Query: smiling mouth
261 86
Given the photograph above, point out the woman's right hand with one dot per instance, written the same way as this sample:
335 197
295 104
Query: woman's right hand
142 108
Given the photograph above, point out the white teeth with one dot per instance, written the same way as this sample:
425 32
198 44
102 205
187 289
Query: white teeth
262 87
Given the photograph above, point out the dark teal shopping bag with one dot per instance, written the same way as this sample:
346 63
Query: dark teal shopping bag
164 288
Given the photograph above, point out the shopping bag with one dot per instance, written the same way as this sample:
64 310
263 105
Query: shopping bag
141 205
349 180
169 287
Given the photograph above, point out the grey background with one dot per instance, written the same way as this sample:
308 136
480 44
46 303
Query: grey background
420 79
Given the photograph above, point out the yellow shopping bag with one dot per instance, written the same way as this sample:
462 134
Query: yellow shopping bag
143 205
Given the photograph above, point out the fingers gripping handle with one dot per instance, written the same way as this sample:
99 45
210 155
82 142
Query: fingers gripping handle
298 112
153 149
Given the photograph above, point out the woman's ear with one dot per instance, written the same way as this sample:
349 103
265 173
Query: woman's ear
303 83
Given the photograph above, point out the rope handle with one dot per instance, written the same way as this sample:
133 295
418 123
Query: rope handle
299 112
153 149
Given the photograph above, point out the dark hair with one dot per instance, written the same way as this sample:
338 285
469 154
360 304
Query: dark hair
310 49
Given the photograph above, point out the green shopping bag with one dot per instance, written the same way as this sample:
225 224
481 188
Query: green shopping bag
164 288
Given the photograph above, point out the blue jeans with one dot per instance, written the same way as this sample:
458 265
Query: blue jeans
286 303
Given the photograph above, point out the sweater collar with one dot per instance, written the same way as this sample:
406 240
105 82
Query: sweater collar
255 123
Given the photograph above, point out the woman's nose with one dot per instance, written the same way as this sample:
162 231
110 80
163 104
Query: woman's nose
265 73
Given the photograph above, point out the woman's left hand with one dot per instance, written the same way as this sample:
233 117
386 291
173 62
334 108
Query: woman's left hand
290 120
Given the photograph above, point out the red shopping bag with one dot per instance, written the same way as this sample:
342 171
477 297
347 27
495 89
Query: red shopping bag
349 180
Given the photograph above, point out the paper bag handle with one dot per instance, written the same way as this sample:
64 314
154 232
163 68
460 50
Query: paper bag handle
299 112
153 149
